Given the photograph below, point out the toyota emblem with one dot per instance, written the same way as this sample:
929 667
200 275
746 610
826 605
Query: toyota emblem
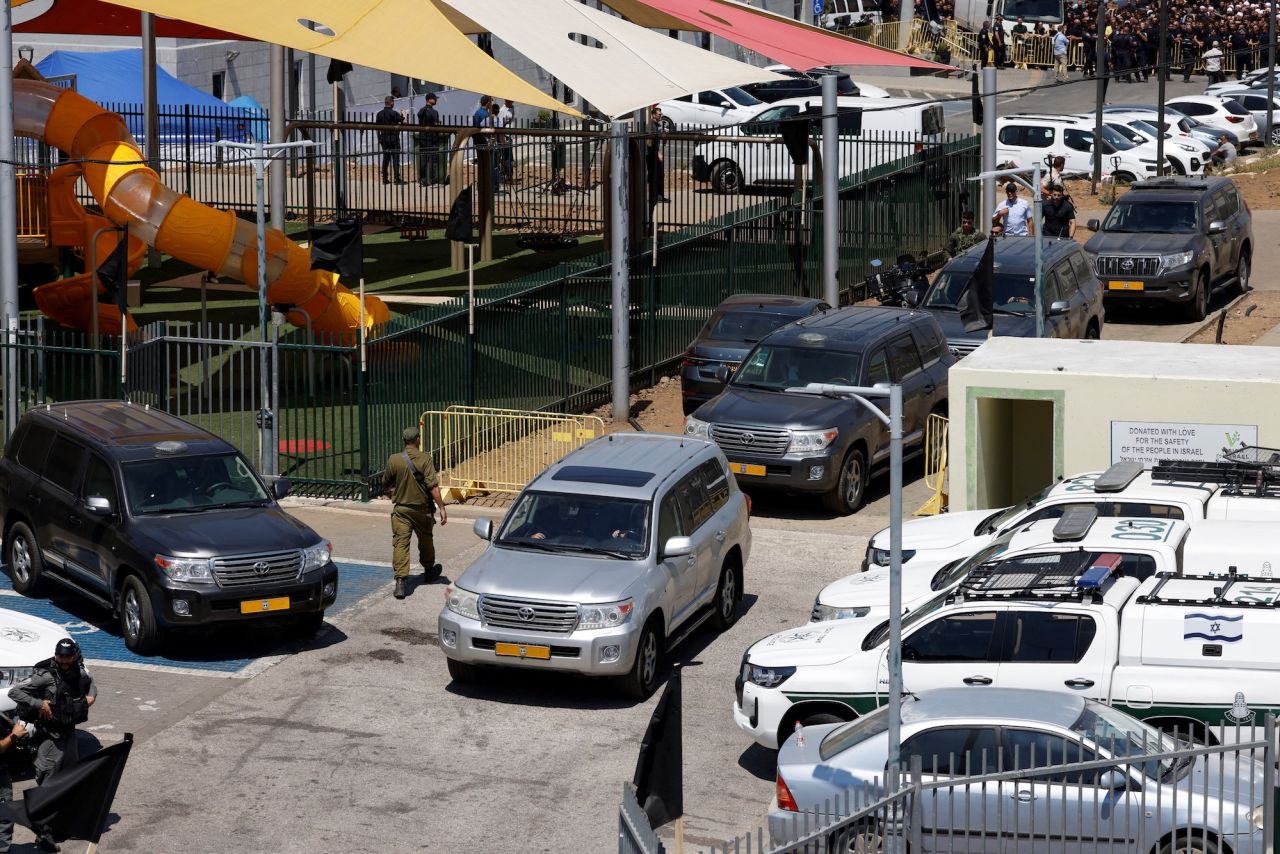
1126 264
748 438
526 613
261 567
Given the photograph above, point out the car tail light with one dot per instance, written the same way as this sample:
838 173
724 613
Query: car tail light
691 362
1235 119
785 801
748 497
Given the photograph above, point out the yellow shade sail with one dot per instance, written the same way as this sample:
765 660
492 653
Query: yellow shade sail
409 37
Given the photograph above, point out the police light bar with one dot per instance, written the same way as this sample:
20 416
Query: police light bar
1096 575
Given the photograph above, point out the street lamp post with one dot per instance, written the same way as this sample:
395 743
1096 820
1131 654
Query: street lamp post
261 154
1037 209
894 422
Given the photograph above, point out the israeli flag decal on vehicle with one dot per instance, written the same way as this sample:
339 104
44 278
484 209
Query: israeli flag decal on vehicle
1213 627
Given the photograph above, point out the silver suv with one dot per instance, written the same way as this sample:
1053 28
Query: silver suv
608 559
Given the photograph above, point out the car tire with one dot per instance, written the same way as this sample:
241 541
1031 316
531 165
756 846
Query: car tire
142 634
642 680
865 837
726 178
728 592
1275 136
1190 842
23 555
1093 331
666 125
1175 166
307 625
851 486
1244 269
461 672
1198 307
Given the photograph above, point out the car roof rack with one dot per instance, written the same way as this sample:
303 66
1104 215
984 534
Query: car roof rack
1170 184
1072 578
1074 523
1247 471
1219 599
1119 476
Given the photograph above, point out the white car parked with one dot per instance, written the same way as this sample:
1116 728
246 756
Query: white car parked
24 640
1026 139
1185 158
1221 112
1180 147
714 107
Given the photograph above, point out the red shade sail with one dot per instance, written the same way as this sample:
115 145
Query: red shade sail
94 18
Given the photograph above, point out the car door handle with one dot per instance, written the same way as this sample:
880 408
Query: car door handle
692 559
1023 796
977 680
33 498
929 389
720 535
74 521
1079 683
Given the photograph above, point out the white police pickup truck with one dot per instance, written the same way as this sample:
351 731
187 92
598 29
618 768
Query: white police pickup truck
1044 613
1125 489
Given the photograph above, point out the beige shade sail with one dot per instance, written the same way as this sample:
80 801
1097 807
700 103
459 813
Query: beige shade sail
622 67
409 37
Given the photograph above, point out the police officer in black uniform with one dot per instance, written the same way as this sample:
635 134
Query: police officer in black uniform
55 698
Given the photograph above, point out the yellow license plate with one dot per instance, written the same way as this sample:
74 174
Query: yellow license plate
747 468
522 650
1124 286
257 606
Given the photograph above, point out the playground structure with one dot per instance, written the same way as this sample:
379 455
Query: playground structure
130 193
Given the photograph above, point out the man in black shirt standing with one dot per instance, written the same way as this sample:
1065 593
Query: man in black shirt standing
430 168
389 140
1059 214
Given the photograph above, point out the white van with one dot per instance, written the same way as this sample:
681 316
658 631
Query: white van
873 131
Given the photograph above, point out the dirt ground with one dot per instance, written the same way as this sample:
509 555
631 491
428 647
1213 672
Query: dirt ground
657 409
1249 319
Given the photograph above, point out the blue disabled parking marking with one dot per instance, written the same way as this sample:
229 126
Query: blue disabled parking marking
228 650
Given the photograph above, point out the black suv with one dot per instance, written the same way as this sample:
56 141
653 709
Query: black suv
1175 240
165 524
806 443
799 84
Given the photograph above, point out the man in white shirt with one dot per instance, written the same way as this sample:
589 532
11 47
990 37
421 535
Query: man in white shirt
1224 155
1014 214
1213 64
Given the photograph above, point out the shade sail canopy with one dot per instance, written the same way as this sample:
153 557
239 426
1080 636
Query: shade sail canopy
790 42
94 18
622 67
409 37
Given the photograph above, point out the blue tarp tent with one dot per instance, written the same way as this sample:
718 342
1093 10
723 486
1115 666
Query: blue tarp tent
256 117
114 80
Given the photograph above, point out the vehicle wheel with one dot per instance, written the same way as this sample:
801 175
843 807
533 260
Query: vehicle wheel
142 634
1193 842
1198 308
862 838
851 488
1176 167
1275 136
727 596
1125 178
23 554
643 678
461 672
667 125
1092 333
726 178
1244 268
307 625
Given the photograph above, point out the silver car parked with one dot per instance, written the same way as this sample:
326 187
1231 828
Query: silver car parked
608 559
1086 778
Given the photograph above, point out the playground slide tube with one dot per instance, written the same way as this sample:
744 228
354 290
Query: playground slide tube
131 193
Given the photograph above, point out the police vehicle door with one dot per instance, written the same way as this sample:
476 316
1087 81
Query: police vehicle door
952 650
1050 647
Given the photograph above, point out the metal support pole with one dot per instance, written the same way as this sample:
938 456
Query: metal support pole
1101 72
151 121
93 306
273 431
988 142
1271 73
1037 215
906 15
619 251
264 406
830 192
1269 784
276 111
8 227
895 583
1162 68
339 162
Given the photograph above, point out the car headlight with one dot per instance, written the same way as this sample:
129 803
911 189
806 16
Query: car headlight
1176 259
807 441
462 602
1186 147
822 613
880 557
1257 817
10 676
195 570
768 677
316 556
696 427
604 616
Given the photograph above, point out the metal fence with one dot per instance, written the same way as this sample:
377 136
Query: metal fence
635 836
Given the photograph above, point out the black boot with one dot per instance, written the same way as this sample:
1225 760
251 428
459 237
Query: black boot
44 841
399 591
433 572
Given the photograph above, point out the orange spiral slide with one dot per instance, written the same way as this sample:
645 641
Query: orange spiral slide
131 193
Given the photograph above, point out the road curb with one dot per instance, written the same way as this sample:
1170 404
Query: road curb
1213 318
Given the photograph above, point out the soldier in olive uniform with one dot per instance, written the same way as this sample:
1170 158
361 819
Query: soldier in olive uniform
410 479
964 236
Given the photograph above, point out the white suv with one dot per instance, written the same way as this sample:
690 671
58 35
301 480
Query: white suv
1185 153
1023 140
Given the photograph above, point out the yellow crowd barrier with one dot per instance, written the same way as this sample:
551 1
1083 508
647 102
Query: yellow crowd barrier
935 465
33 204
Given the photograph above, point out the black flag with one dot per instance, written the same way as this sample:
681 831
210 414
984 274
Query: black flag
339 248
74 803
977 102
976 304
337 68
113 273
795 136
659 777
458 226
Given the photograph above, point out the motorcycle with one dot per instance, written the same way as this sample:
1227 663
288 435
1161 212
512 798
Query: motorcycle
902 285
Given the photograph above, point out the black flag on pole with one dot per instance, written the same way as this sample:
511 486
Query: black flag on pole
659 777
337 68
339 248
795 136
977 102
74 803
977 302
458 226
113 273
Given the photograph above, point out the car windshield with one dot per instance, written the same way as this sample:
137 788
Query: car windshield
1012 292
742 96
743 326
997 521
1124 737
880 633
1151 217
186 484
1148 128
855 732
572 522
1128 133
777 367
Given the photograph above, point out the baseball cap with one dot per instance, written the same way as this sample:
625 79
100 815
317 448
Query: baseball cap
410 434
66 646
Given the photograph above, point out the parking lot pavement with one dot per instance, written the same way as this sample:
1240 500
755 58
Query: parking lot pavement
378 751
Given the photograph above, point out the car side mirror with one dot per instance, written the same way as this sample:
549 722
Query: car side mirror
281 487
723 373
1217 227
483 528
1094 225
98 505
1059 307
1113 780
725 105
677 547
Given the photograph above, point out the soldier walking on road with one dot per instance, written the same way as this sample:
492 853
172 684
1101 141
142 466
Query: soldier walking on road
410 479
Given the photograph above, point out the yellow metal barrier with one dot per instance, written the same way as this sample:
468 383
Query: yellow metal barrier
935 465
33 204
499 450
